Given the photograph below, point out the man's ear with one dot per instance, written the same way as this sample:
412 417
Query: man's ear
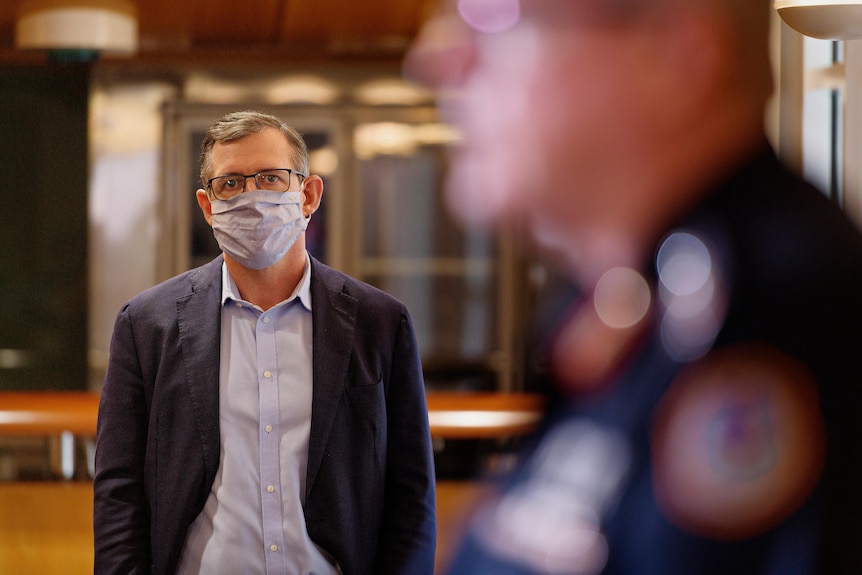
686 65
312 193
205 205
698 48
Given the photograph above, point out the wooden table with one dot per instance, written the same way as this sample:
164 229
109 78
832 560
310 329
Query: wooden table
46 527
451 414
480 415
41 413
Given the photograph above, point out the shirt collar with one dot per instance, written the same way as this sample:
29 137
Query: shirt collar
229 291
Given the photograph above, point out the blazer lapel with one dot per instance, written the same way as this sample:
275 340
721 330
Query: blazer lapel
333 321
199 320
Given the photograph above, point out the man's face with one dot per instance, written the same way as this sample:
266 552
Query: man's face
542 104
266 150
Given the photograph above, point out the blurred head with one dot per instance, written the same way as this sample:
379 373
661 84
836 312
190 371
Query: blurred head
237 125
579 117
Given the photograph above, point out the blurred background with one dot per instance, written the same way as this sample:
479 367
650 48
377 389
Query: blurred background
99 152
99 160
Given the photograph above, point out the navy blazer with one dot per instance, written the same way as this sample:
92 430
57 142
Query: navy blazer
369 501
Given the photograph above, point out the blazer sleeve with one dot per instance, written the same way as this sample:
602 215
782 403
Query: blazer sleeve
409 529
120 511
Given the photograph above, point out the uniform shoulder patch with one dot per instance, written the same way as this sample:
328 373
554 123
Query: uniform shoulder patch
738 442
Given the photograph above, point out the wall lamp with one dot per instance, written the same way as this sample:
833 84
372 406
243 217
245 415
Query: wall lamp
824 19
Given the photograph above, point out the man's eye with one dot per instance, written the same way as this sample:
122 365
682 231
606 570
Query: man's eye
230 184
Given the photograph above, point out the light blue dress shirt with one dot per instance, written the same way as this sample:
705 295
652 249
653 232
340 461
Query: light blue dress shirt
252 521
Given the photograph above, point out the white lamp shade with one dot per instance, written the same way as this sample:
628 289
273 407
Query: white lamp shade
824 19
108 26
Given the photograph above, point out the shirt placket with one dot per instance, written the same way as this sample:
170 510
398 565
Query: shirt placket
271 504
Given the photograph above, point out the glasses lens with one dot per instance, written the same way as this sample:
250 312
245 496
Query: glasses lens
226 187
273 180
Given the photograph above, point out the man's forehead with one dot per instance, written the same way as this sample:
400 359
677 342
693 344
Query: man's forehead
267 144
269 138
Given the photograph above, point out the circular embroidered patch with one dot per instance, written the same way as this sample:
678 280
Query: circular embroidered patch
738 442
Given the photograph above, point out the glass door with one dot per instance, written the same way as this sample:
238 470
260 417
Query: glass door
452 278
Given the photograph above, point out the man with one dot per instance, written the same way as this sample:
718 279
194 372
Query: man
263 413
707 369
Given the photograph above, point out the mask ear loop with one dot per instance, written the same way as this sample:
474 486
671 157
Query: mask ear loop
302 191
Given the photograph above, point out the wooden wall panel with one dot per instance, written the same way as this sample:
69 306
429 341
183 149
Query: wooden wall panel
243 21
337 19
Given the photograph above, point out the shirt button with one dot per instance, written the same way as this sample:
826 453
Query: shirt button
270 488
268 429
266 319
273 547
238 304
267 374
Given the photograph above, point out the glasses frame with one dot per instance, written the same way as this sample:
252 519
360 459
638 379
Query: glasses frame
290 172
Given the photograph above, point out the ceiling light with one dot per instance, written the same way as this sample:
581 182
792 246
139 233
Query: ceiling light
102 26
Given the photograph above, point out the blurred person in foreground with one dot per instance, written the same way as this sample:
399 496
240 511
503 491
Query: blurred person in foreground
263 413
708 396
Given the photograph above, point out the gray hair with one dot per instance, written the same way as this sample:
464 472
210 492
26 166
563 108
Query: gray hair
238 125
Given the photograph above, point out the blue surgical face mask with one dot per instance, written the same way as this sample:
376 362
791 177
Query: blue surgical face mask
257 228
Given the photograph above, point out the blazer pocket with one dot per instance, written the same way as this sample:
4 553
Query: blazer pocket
362 378
366 392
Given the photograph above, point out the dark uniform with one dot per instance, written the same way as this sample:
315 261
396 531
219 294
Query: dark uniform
723 436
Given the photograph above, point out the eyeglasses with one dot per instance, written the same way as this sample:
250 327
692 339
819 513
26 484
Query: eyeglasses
232 185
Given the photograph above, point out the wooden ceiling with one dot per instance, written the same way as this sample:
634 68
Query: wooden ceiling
202 31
